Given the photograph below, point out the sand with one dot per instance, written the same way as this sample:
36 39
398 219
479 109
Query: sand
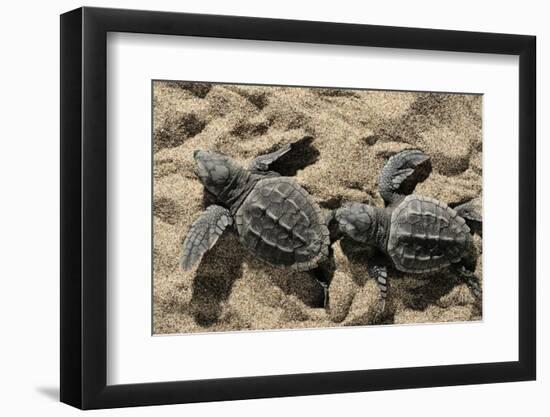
350 134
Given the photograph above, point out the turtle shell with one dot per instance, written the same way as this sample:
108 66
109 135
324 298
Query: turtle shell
426 235
281 224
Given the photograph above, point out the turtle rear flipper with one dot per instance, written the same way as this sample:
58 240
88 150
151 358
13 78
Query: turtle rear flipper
204 234
378 271
402 173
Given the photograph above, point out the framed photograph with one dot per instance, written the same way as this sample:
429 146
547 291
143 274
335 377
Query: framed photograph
257 208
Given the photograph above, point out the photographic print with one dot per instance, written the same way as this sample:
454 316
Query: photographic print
283 207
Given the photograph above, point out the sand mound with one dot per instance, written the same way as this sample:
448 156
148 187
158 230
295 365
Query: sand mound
345 137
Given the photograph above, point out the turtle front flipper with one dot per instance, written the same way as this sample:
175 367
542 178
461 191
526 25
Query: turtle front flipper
402 172
204 234
263 162
470 279
379 272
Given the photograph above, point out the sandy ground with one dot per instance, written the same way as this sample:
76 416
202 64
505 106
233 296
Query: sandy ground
350 134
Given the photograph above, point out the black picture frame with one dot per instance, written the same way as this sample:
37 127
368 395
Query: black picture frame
84 209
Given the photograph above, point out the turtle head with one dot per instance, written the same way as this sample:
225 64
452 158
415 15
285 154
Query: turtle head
358 222
215 170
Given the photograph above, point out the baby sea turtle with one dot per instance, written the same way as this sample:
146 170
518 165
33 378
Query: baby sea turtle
274 217
417 234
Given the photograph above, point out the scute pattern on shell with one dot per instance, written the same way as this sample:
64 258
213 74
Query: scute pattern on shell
282 225
426 235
